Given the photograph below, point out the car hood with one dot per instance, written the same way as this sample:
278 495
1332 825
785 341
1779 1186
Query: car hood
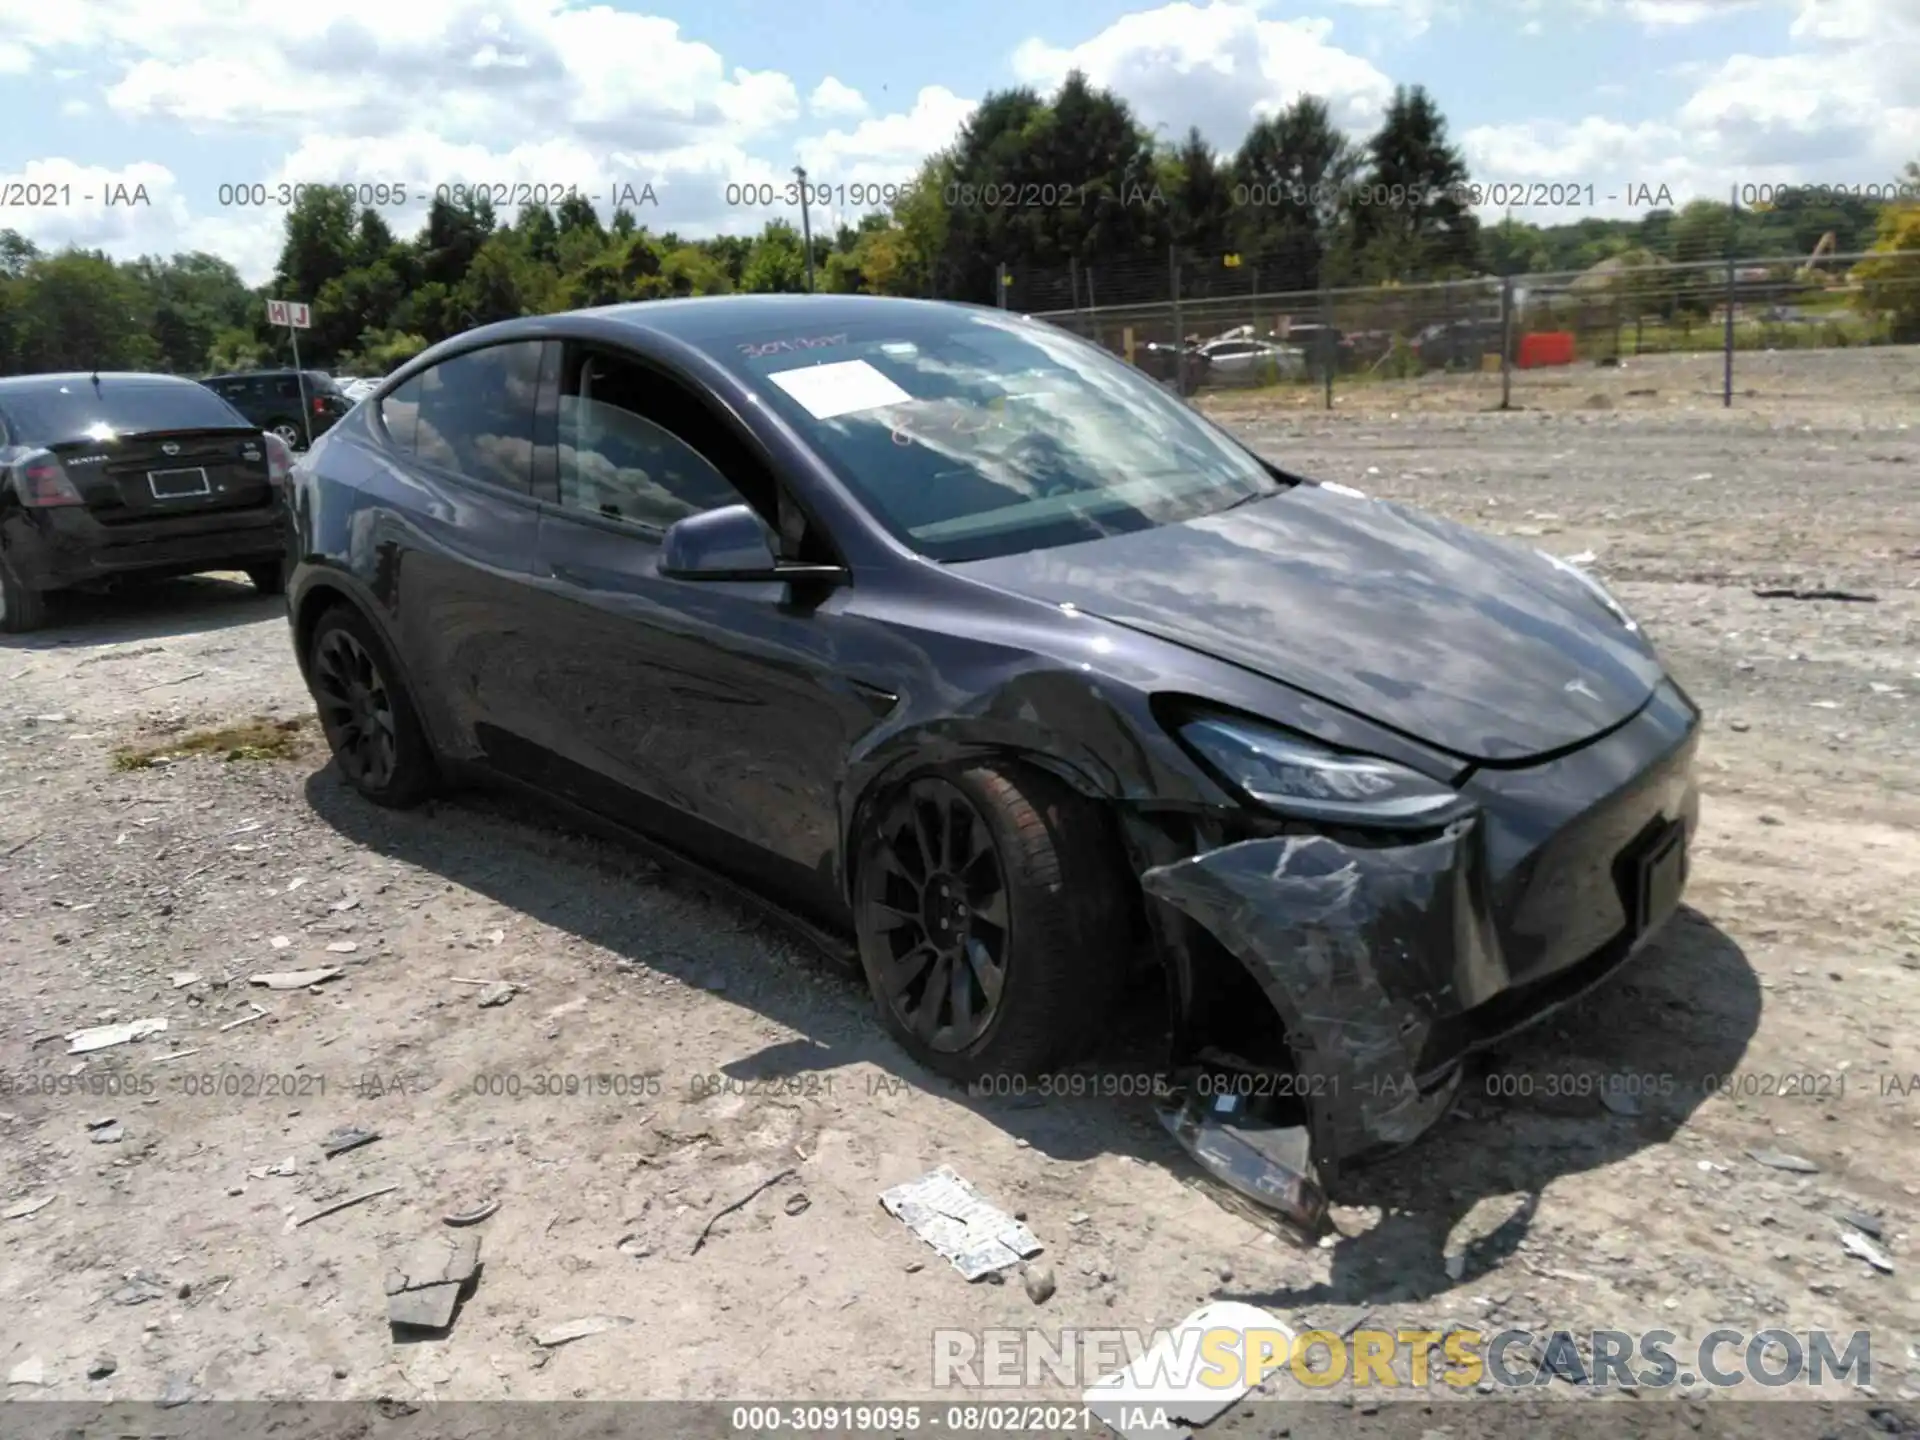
1457 639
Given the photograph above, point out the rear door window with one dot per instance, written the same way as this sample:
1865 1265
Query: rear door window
475 413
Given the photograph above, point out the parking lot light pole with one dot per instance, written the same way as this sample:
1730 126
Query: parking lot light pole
806 225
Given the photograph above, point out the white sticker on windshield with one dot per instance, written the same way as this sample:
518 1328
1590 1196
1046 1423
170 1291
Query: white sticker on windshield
840 388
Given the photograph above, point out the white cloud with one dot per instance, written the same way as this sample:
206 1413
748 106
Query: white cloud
1845 108
1678 14
136 209
473 69
834 100
863 169
1660 15
1412 18
449 92
1218 66
1840 107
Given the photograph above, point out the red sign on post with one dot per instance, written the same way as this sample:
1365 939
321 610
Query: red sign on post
289 312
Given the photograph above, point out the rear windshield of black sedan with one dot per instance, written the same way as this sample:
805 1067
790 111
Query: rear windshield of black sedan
65 410
973 435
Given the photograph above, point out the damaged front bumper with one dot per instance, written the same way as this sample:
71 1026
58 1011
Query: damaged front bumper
1388 964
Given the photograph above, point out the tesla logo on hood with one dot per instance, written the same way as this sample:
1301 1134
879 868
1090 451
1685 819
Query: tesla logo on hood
1580 687
169 448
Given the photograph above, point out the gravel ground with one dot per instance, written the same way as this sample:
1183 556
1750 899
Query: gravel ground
168 1243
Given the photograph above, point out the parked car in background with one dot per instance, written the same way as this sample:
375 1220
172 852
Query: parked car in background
275 399
1458 344
1251 361
1162 362
1002 667
1321 345
109 475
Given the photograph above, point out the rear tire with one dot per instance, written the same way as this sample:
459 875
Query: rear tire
21 609
269 579
1025 870
370 723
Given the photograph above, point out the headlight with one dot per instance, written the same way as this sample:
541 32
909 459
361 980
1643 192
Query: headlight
1297 777
1594 587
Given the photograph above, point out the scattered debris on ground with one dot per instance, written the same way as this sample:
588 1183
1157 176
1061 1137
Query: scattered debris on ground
424 1288
946 1212
569 1331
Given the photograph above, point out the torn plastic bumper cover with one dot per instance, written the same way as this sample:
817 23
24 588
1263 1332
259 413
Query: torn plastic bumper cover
1360 950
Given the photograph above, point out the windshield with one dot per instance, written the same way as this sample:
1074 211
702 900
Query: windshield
79 409
972 435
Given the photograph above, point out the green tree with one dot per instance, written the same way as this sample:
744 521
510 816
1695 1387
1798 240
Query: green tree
538 229
1294 171
454 233
504 281
691 270
1889 278
321 244
777 262
1199 194
1412 219
80 311
193 298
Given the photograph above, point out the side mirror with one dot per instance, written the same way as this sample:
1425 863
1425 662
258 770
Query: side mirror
732 543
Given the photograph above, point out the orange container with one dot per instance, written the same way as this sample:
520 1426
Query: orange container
1547 347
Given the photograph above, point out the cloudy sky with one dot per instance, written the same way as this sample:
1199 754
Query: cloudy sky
1696 95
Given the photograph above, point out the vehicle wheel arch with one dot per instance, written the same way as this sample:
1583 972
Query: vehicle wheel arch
948 757
910 756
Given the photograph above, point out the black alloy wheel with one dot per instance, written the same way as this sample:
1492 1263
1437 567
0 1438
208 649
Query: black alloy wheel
992 927
939 902
369 721
356 709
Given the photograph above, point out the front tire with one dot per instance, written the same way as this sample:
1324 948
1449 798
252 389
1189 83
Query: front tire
991 920
370 724
21 609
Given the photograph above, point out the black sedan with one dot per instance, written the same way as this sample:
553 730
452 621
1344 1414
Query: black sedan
955 636
106 476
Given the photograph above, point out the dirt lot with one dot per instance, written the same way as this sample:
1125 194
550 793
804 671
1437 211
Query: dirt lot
1799 956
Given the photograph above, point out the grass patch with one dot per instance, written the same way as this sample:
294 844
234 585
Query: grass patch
260 738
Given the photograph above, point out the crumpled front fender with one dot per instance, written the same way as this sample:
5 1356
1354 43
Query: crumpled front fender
1359 949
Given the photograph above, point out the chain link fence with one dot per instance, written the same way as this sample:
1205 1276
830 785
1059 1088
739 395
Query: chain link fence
1492 340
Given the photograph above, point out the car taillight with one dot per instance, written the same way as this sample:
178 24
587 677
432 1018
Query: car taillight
319 404
42 482
279 458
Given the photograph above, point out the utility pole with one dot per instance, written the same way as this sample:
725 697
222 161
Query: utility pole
806 225
1733 293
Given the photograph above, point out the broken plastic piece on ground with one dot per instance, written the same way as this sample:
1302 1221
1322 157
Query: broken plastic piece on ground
569 1331
947 1213
99 1037
1269 1164
347 1137
1151 1400
471 1217
297 979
